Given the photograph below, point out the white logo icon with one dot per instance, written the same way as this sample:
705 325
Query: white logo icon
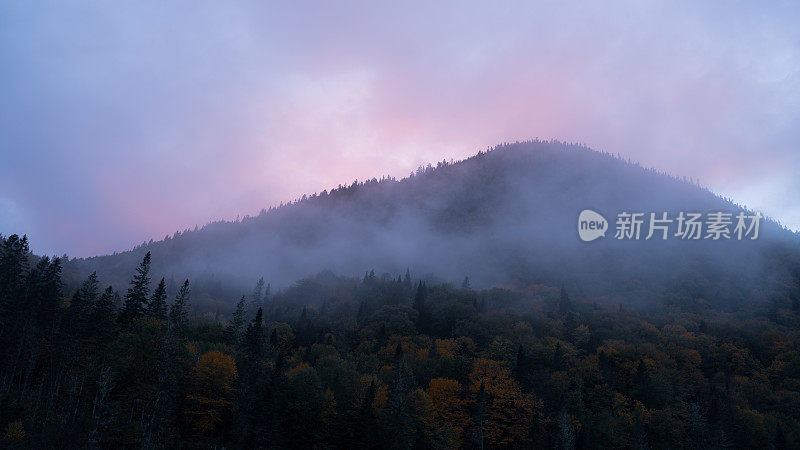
591 225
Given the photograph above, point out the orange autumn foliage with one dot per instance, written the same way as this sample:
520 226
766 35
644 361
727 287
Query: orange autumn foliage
446 396
211 391
509 412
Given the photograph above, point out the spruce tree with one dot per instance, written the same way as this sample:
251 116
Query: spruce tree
258 292
136 297
81 305
179 310
398 411
103 315
234 328
89 289
157 308
50 292
13 273
258 297
254 338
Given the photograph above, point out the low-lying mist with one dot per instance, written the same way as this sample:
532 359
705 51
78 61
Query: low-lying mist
505 217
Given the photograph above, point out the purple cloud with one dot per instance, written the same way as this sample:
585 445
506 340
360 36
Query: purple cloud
121 123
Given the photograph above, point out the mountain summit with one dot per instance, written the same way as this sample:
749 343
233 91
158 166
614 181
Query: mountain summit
504 217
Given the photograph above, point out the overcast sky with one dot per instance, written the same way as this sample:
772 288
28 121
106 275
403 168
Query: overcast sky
125 121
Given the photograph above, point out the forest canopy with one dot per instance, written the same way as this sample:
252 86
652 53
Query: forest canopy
388 360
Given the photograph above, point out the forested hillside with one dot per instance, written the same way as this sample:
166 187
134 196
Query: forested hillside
481 320
505 217
384 362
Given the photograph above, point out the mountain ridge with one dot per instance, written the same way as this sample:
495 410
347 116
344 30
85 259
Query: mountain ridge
483 217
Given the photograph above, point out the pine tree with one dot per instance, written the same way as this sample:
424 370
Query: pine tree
397 414
136 297
255 402
13 264
367 421
178 312
13 274
81 305
254 337
103 315
234 328
407 280
89 290
157 308
50 295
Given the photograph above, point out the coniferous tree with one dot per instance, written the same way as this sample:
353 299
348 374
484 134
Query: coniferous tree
13 266
179 310
22 339
258 291
254 415
82 303
157 307
254 337
50 295
136 297
397 414
234 328
368 424
13 275
258 297
103 314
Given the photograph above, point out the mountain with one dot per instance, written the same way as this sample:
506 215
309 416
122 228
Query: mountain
504 217
552 342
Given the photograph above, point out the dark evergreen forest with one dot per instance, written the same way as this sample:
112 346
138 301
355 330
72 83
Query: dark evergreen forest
549 343
385 362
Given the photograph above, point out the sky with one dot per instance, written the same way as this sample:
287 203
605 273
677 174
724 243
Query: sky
122 122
